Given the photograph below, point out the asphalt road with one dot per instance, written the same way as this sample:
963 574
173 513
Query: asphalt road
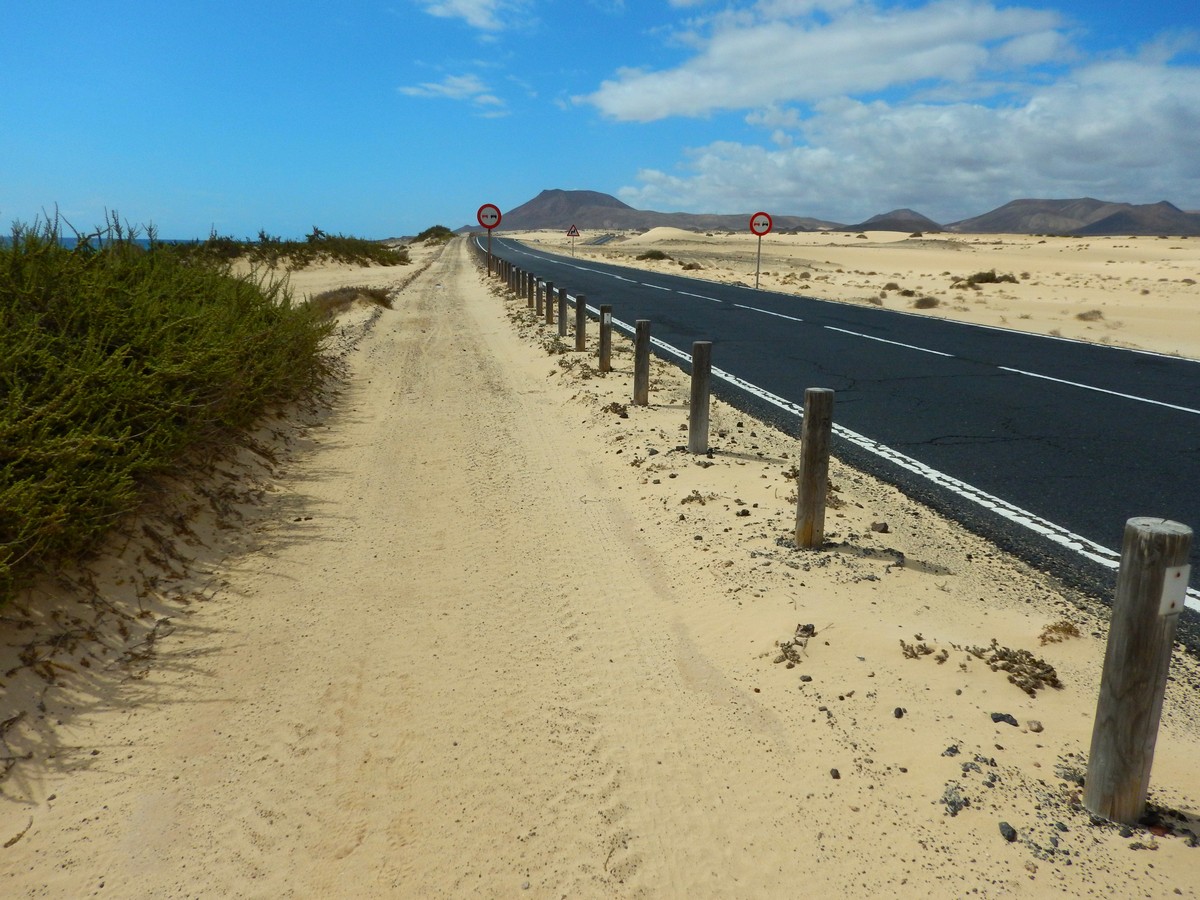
1045 445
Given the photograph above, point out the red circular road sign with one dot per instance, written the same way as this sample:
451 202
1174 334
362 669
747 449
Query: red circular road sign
760 223
488 216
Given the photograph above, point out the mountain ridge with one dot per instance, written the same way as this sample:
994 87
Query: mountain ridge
1084 216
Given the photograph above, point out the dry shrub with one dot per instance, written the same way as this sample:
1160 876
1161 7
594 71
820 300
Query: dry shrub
340 299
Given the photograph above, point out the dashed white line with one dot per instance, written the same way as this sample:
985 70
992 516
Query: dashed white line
767 312
870 337
1100 390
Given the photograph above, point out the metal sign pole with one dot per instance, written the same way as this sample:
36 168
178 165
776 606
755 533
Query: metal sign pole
757 265
760 224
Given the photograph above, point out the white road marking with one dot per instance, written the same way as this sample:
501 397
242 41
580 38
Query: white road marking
1110 559
1064 537
893 343
767 312
1100 390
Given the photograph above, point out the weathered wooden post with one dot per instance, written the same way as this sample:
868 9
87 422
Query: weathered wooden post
641 363
1151 589
530 288
580 322
562 312
698 405
549 302
813 480
538 290
606 337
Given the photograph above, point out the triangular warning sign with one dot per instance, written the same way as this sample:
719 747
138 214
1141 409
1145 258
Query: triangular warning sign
572 231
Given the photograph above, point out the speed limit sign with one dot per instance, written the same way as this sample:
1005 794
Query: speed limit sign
760 223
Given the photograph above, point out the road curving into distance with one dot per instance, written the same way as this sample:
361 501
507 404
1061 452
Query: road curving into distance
1043 444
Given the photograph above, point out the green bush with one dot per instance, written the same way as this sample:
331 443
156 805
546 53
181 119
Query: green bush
317 247
434 233
115 361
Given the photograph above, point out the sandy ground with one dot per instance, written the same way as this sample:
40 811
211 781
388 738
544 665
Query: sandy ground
1141 292
478 628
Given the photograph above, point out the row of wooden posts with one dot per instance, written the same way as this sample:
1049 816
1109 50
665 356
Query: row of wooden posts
1146 606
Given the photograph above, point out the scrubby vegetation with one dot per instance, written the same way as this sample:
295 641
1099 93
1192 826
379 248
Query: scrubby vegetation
115 361
655 255
989 277
331 302
437 233
268 249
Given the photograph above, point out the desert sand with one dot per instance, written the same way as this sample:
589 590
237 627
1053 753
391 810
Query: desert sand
475 627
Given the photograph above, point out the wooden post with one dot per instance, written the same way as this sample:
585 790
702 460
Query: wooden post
580 322
698 407
538 290
641 363
606 337
549 302
813 480
562 312
1151 587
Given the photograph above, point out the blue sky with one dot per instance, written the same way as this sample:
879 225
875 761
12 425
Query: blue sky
383 117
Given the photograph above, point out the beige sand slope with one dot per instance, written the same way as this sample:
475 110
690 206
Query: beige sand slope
483 632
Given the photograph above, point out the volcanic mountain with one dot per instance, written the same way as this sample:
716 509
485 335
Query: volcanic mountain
1084 216
558 209
897 220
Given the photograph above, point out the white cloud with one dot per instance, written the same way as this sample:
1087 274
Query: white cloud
781 52
1123 130
487 15
470 88
951 107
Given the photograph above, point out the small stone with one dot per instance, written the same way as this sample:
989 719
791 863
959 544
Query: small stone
952 750
835 774
1005 717
880 527
899 712
1008 832
806 678
1126 831
1061 827
1035 726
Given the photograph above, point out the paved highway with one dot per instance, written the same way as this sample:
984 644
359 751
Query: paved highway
1043 444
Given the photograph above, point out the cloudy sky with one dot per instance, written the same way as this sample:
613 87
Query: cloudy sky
382 117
